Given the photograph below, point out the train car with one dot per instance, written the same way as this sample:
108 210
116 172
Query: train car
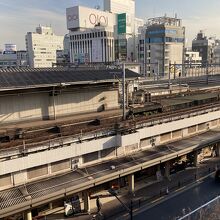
144 110
187 101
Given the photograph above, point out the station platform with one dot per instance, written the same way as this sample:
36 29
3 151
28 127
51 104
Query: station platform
37 193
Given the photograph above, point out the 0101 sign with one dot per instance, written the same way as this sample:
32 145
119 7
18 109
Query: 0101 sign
98 19
72 17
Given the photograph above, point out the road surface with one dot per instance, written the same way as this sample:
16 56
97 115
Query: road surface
184 202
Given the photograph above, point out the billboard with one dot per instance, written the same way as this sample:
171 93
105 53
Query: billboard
81 58
122 23
72 17
10 47
82 17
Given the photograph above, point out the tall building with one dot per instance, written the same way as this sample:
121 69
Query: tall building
103 36
42 46
205 46
11 58
8 56
164 43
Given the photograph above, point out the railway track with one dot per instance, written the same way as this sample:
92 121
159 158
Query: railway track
35 137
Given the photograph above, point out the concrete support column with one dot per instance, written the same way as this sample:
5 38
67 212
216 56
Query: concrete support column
217 150
86 201
195 162
50 205
131 183
167 169
28 215
158 173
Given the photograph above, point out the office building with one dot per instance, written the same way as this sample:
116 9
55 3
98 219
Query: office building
164 43
8 56
42 46
205 46
22 58
103 36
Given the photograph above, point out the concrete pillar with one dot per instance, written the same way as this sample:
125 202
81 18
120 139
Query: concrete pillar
28 215
217 150
86 201
195 162
167 169
50 205
131 183
158 173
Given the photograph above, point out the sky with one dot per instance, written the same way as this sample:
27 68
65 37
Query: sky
17 17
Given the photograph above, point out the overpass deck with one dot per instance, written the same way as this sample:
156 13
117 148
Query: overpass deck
33 194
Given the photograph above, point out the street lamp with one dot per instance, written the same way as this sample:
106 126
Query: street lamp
129 210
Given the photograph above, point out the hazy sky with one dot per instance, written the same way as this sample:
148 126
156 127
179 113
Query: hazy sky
20 16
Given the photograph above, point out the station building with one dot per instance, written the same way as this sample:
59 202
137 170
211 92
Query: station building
44 166
34 94
103 36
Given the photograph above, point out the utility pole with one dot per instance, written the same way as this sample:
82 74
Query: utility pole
158 70
129 210
123 91
207 72
169 75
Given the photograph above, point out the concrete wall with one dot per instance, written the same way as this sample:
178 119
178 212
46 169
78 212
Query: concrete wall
40 106
92 151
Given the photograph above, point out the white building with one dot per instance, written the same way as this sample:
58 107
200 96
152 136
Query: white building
11 58
192 57
42 46
8 56
103 36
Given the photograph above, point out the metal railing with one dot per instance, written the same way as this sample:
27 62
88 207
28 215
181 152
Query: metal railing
208 211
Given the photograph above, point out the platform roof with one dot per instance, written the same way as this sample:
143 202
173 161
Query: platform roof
38 78
47 190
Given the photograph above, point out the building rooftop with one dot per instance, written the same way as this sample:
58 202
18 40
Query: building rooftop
12 79
170 21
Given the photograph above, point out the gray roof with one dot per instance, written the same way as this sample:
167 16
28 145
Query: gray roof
21 79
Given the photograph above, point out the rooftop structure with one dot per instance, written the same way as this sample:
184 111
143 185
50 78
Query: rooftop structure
164 20
11 79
